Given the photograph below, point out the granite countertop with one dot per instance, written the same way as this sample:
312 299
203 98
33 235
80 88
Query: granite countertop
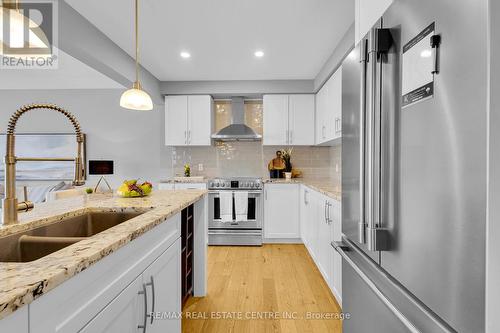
184 180
323 185
21 283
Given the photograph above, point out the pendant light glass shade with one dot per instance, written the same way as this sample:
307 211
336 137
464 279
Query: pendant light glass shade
17 24
136 98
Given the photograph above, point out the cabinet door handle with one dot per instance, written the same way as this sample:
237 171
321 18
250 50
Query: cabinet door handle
145 322
326 219
189 136
287 134
305 197
265 194
323 131
153 301
329 216
291 137
185 137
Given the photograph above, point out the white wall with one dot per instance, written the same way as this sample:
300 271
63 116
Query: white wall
493 214
133 139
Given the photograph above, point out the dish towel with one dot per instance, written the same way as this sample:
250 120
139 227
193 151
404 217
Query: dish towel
226 206
241 205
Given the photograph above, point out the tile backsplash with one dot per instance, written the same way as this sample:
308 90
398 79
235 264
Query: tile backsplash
251 159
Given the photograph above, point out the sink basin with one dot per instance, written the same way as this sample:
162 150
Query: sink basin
38 242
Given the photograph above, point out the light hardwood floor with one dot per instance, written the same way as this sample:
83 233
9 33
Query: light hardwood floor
262 281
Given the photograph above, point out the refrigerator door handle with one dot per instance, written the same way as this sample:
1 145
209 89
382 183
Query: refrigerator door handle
341 248
347 246
362 139
377 238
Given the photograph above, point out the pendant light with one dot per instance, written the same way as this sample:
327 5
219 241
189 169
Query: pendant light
17 23
136 98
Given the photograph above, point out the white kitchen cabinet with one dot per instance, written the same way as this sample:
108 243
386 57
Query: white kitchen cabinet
164 279
123 315
16 322
176 120
336 275
324 249
329 109
188 120
104 286
367 13
157 290
275 120
281 211
288 119
301 119
320 225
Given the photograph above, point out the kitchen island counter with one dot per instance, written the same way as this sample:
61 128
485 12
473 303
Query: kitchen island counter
21 283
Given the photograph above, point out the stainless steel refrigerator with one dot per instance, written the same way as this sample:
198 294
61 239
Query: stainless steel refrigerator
414 171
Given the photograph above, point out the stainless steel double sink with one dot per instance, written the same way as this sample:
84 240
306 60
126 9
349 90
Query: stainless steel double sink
38 242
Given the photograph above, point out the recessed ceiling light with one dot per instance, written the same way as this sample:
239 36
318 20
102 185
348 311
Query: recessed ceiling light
259 54
185 55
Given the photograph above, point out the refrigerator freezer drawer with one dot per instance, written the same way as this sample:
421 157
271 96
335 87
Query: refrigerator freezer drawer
376 302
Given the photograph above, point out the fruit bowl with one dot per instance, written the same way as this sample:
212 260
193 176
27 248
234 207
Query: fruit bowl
131 189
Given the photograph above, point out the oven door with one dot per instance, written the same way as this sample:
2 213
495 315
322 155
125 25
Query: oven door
254 212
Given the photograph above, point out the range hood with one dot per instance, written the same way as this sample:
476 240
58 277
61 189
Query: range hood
237 131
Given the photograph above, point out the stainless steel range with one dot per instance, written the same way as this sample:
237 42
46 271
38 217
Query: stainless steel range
235 211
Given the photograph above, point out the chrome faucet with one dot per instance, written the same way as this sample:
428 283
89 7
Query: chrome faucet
10 203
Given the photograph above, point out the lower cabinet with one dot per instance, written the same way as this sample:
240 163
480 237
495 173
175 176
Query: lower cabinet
162 282
121 292
320 224
281 211
146 302
122 314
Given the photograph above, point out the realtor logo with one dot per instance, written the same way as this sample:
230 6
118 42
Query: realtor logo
28 33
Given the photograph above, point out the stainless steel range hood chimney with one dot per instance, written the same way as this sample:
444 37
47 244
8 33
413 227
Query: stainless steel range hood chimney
237 131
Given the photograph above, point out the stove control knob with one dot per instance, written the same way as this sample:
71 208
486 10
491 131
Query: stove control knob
223 185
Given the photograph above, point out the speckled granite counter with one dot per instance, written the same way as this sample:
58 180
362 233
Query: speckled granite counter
21 283
184 180
324 186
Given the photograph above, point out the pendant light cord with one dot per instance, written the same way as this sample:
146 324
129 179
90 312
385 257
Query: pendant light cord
137 41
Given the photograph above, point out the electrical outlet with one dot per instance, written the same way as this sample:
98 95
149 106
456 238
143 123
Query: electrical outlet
200 167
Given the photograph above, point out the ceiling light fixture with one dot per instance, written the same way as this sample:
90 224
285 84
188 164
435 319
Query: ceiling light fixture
136 98
17 22
259 54
185 55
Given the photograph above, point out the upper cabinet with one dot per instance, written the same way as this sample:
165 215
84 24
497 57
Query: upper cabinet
329 109
188 120
367 13
288 120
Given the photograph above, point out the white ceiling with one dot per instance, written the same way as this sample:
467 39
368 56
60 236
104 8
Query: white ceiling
70 74
297 36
